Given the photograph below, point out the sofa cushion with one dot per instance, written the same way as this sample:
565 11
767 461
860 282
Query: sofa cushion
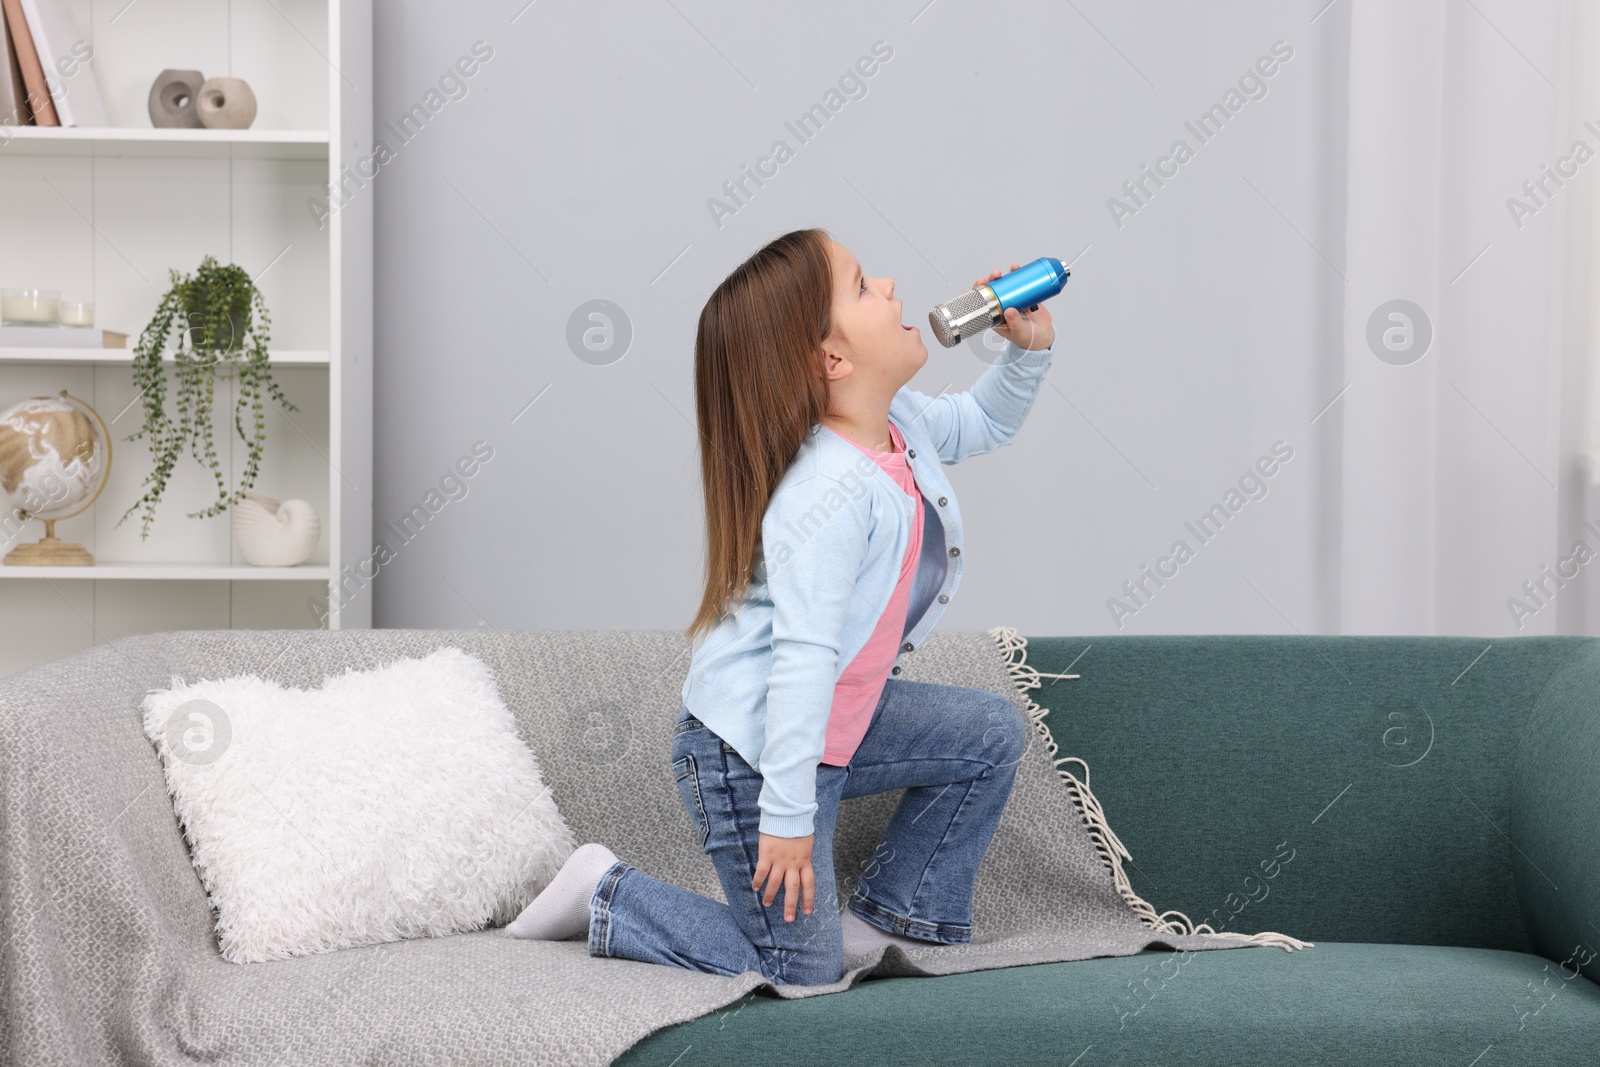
389 803
1337 1003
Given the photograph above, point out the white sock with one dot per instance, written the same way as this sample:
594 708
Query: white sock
861 937
561 912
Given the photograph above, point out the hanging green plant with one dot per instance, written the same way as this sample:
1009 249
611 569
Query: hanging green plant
227 326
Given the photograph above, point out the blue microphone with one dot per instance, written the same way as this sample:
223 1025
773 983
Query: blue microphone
983 308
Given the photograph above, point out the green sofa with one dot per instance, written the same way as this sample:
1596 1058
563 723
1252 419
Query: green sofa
1426 810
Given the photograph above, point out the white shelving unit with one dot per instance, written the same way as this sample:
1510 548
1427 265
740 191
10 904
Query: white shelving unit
103 214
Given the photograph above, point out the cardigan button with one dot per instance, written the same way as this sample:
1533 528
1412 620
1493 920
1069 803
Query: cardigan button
943 501
944 599
894 670
955 552
906 647
911 453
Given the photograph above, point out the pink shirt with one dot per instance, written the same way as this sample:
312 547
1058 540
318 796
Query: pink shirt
855 695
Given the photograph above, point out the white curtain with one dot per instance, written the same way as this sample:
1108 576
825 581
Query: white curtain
1468 473
1582 319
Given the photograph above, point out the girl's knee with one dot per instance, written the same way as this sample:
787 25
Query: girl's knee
1005 732
812 972
807 965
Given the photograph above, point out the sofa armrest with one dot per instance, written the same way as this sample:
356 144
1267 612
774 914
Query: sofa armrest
1555 816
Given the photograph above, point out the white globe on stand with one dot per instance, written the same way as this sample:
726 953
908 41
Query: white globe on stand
54 460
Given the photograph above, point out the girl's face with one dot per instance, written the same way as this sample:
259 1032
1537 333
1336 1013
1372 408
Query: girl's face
869 343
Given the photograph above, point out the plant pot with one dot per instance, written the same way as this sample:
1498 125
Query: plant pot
194 327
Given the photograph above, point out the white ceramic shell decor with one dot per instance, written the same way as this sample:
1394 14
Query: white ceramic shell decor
273 534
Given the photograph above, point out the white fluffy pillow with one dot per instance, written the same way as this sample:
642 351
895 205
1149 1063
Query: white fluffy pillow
391 803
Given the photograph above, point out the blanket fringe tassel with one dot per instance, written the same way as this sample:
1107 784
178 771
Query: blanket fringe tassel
1014 647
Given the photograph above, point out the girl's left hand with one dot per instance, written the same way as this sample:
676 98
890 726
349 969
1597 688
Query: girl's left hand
1026 328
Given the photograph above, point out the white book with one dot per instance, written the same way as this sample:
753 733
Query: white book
60 337
60 46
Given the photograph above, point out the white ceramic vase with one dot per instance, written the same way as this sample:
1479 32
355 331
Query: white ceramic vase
273 534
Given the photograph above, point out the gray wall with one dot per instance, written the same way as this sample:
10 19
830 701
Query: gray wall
579 164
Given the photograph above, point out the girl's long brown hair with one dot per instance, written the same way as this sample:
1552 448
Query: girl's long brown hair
759 388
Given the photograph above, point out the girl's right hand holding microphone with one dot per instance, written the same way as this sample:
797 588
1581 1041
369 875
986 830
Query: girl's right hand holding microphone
785 862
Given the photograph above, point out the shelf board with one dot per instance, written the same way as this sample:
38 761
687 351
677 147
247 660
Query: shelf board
204 572
14 354
148 141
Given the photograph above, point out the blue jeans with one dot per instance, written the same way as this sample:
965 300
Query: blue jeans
954 749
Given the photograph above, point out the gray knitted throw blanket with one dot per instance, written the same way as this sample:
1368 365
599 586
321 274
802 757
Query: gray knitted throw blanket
108 952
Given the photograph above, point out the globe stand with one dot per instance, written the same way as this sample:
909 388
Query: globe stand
49 551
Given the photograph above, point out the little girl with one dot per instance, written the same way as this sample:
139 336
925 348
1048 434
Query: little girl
834 544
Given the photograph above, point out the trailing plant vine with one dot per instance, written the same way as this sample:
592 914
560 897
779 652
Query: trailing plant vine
227 325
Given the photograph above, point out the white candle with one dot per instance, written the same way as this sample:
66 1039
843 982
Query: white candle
29 307
77 313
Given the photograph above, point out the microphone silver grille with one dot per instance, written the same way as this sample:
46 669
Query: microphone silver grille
970 313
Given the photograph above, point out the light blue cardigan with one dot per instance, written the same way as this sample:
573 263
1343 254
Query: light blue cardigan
832 541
